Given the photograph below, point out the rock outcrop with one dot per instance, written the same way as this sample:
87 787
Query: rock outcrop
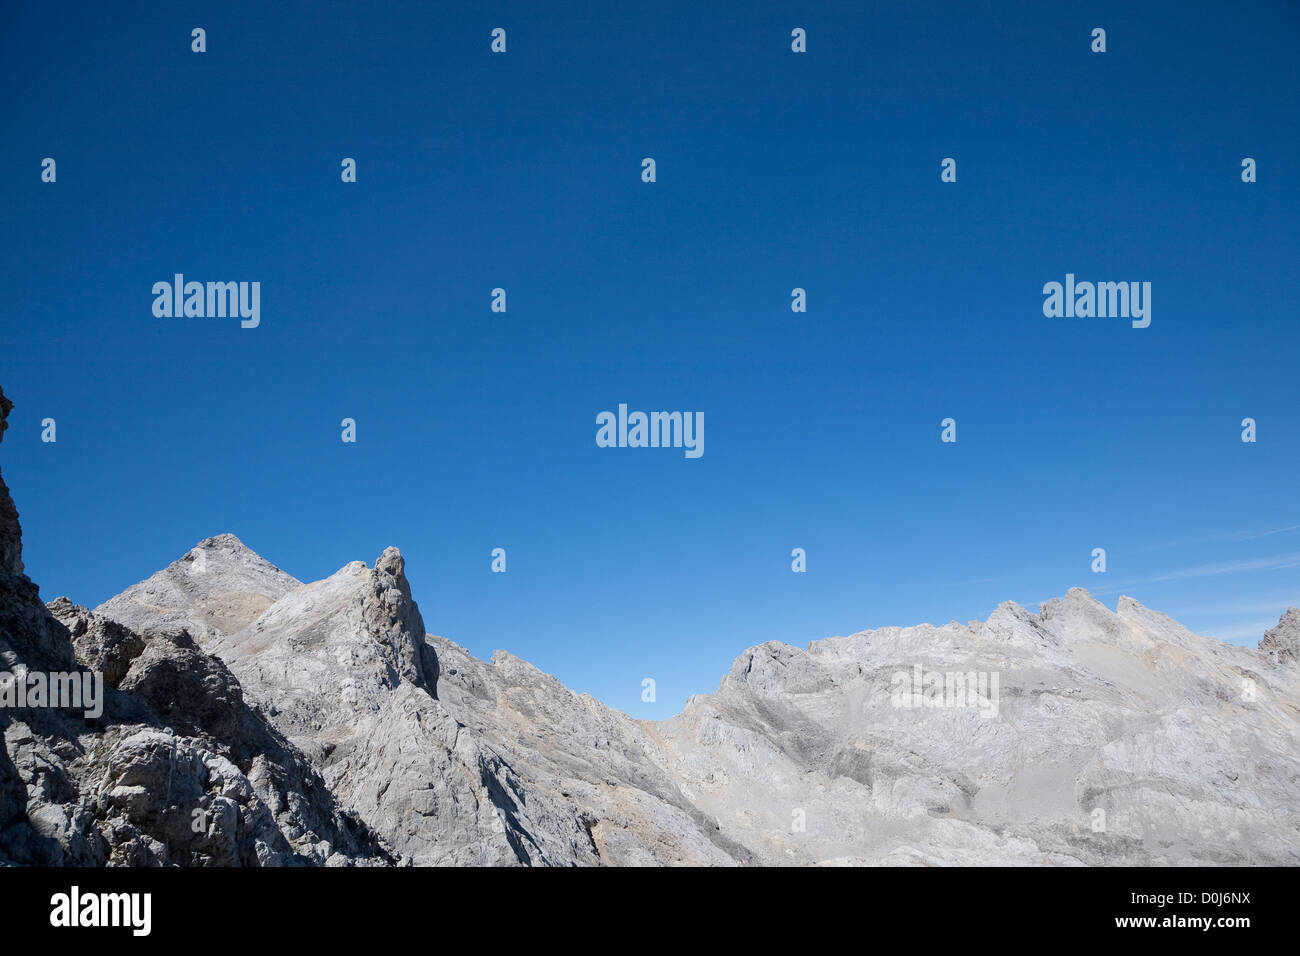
176 769
252 719
1282 643
1108 737
453 760
1113 737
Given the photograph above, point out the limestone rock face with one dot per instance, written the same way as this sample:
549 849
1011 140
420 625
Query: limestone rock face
176 770
100 644
1282 643
1099 737
1118 737
217 587
452 760
251 719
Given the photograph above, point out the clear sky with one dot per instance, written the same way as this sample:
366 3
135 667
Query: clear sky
775 170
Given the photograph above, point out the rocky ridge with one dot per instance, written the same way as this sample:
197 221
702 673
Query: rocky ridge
320 723
178 769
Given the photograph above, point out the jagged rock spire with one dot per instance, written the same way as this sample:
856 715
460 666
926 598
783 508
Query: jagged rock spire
1282 643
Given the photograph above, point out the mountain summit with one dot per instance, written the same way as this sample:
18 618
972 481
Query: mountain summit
1075 735
218 586
252 719
177 767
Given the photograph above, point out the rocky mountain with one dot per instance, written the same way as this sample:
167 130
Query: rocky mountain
321 723
177 769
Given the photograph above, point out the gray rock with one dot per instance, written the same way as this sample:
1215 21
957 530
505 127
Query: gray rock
1282 643
219 586
178 770
1118 737
255 720
100 644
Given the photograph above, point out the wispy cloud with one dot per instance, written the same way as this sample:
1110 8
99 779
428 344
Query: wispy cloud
1273 563
1262 604
1250 631
1276 562
1225 536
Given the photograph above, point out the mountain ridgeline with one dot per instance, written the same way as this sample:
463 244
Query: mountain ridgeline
251 719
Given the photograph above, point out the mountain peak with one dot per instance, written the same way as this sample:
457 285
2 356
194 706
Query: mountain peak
231 548
226 541
216 588
452 759
393 565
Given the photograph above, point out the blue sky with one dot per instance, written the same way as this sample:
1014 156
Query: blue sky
775 170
